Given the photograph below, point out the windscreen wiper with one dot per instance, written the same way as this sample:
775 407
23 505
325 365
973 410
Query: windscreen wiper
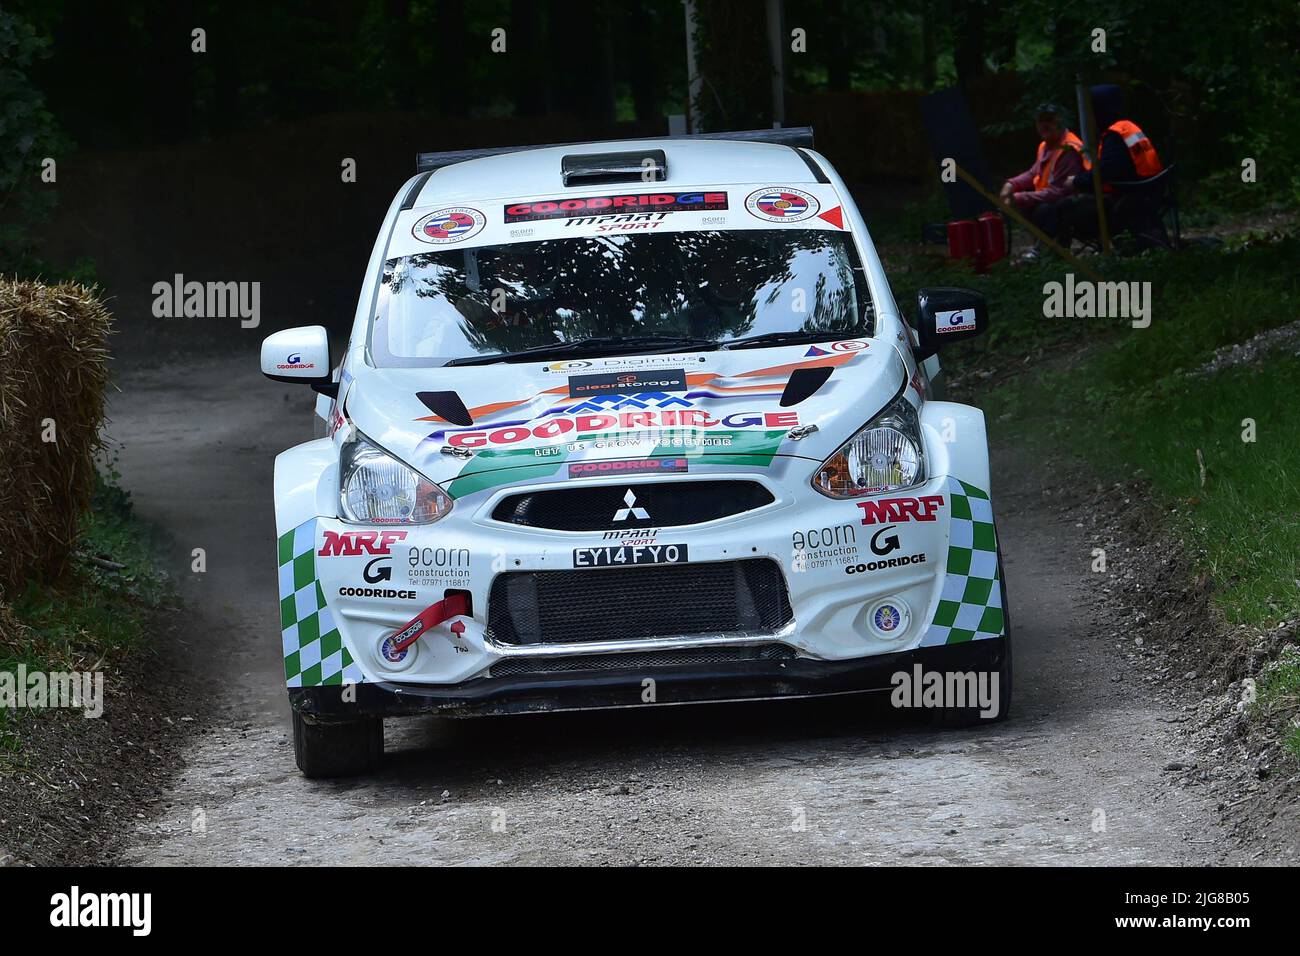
612 344
786 338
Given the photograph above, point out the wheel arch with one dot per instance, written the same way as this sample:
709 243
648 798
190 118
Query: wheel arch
956 442
306 484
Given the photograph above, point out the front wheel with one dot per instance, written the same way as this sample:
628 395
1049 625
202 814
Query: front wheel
337 748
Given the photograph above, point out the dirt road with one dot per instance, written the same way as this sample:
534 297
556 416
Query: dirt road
1075 776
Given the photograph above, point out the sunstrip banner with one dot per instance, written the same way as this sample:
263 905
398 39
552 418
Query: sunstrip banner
809 206
625 203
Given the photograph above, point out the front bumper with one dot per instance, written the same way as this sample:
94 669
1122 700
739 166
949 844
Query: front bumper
864 579
737 681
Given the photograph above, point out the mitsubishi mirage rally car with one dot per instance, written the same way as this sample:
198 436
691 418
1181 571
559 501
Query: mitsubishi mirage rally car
628 424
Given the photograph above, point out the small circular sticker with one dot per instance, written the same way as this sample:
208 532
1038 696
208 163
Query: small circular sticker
782 204
391 653
453 224
850 345
887 618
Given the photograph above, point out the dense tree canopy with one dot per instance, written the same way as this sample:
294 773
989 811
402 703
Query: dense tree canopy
129 74
124 72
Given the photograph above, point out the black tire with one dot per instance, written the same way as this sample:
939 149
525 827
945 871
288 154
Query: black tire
337 748
954 717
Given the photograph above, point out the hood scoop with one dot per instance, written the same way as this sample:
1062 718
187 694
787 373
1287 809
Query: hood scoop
591 169
803 384
446 405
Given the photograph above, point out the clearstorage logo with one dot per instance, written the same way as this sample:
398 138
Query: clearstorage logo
76 909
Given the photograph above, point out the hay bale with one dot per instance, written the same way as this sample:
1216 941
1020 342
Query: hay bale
14 634
53 372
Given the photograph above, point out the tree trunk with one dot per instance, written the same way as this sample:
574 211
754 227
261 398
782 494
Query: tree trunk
839 58
969 44
929 46
524 41
451 57
643 57
171 70
400 53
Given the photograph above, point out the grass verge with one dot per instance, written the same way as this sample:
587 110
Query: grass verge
1215 445
98 613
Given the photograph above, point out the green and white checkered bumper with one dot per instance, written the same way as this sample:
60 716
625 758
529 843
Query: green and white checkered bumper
313 647
970 606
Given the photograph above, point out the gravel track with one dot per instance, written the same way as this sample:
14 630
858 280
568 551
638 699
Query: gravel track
1074 776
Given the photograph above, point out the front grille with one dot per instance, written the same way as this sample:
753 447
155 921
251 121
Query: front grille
662 504
521 666
637 603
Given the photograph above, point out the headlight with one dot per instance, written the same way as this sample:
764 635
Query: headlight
884 455
376 488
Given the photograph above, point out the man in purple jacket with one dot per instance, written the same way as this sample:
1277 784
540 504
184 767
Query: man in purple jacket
1039 190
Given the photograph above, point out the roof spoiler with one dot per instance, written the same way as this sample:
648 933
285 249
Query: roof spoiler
793 136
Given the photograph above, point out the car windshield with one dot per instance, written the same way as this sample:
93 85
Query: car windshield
715 286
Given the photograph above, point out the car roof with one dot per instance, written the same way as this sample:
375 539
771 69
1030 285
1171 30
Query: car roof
536 172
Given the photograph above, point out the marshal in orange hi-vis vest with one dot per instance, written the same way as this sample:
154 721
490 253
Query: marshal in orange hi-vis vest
1145 160
1069 141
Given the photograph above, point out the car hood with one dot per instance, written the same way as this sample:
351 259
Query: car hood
718 408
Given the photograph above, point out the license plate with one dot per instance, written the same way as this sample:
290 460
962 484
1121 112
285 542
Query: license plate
620 555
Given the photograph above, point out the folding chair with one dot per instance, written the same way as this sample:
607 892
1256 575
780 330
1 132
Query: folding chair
1147 209
1153 215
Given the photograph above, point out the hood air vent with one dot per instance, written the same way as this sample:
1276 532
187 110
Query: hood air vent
803 383
446 405
635 166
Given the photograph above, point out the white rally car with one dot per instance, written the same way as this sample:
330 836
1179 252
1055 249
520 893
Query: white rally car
627 424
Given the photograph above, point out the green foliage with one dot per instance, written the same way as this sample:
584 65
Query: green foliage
95 614
1215 85
123 74
731 55
852 46
1278 692
1212 85
96 611
1139 403
27 135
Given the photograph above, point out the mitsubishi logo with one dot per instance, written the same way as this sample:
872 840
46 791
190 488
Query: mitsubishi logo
631 511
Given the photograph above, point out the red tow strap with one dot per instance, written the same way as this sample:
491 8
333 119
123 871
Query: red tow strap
451 606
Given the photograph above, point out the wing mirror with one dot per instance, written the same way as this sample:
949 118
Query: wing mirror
945 315
301 356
